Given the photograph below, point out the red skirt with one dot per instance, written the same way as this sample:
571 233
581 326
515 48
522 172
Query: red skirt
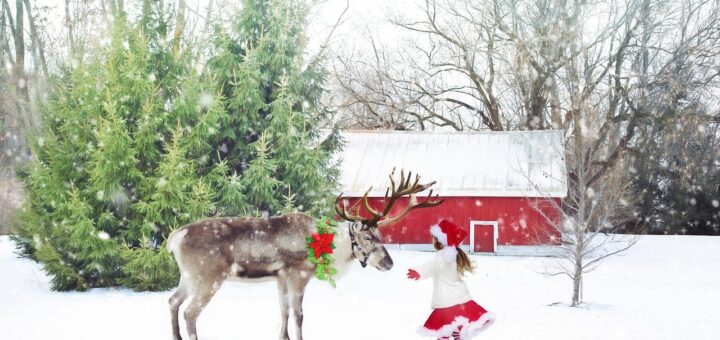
468 318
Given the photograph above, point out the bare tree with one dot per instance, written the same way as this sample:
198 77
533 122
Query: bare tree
505 62
83 28
375 95
37 43
15 117
542 34
459 67
447 77
20 78
14 103
585 225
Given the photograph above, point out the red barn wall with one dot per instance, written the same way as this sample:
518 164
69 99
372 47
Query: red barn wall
519 222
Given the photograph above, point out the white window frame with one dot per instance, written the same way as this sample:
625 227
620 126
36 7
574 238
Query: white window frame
494 224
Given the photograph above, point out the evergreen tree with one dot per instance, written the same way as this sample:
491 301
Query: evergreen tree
122 161
259 178
273 92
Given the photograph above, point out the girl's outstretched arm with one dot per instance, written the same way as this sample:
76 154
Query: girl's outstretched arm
422 272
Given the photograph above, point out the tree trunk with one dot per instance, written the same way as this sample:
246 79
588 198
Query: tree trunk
538 100
580 231
495 116
3 38
36 41
581 228
577 285
20 77
72 48
556 119
179 27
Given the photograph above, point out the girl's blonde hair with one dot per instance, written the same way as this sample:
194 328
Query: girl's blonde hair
463 262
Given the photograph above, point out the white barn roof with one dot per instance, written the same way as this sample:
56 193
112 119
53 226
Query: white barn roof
488 164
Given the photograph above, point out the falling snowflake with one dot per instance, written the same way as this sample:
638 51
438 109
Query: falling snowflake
590 193
103 235
118 198
206 99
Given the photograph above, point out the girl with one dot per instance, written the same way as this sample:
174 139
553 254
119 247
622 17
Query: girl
454 314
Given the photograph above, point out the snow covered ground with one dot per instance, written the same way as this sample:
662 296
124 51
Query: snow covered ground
666 287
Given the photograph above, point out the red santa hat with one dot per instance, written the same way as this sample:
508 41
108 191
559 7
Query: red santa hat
450 236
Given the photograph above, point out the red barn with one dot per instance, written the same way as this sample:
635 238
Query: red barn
504 187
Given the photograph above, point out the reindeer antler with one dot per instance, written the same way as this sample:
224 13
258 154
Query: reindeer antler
406 189
340 201
395 191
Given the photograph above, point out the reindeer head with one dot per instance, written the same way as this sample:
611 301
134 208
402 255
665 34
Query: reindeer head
367 245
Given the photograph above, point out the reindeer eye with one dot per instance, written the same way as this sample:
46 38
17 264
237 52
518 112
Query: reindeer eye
368 237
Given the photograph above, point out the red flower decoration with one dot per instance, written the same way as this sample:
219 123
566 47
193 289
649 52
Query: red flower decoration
321 244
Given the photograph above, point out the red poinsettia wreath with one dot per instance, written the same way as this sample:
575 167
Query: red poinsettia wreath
320 248
322 244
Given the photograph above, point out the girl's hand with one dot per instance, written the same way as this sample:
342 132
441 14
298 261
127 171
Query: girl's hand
413 275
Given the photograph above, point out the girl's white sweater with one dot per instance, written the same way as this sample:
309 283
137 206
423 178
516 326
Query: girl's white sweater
448 287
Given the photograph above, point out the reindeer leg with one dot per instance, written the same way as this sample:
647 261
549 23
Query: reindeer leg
200 299
298 282
176 300
282 282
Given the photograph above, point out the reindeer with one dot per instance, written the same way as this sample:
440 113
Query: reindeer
211 251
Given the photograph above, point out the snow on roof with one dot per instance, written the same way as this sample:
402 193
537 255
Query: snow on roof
489 164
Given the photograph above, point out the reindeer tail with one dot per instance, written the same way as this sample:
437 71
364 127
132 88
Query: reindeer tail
175 239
